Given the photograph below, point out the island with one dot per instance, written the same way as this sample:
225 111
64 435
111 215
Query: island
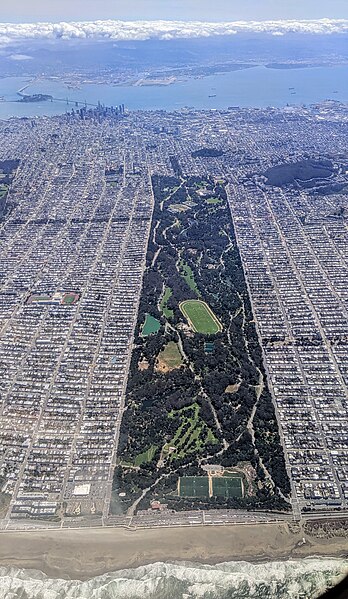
26 99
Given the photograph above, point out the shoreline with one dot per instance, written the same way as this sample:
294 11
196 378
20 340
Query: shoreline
81 554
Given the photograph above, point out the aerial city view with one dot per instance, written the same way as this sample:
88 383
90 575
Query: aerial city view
174 300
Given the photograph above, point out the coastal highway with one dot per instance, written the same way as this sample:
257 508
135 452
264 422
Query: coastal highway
152 519
168 519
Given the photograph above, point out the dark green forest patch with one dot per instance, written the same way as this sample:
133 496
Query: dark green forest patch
207 153
303 170
187 415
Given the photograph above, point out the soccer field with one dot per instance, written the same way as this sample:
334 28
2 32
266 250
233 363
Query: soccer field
194 486
200 317
226 486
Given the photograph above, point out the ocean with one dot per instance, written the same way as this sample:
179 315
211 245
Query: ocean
257 86
295 579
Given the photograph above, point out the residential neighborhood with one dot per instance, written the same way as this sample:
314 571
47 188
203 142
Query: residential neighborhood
74 233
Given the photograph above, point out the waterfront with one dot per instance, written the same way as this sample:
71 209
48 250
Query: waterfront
253 87
231 562
185 580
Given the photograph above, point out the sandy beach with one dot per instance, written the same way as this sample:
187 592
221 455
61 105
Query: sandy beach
84 553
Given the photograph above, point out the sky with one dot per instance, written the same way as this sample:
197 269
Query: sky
21 11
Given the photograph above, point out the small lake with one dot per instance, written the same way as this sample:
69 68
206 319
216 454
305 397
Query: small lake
150 326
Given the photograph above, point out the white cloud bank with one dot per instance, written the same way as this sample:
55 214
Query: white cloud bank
164 30
20 57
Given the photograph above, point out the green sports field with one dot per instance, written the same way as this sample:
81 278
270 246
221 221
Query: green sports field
194 486
227 486
200 317
69 298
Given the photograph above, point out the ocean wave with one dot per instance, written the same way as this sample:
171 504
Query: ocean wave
298 579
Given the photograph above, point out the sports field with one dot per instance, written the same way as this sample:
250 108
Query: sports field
170 357
200 317
227 486
33 299
70 298
193 486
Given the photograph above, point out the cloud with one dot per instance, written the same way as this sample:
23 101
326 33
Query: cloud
20 57
164 30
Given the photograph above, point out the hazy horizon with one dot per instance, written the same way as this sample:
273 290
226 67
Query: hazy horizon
187 10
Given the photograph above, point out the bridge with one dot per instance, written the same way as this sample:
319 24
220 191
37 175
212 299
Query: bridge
68 101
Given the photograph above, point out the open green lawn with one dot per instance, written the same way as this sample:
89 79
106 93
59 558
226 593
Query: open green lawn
146 456
200 317
3 190
227 486
170 356
187 274
213 201
163 304
178 207
194 486
150 326
142 458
